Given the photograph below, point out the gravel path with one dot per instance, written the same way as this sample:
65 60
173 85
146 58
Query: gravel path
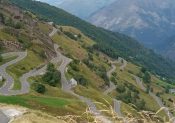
67 87
156 98
3 118
117 103
9 81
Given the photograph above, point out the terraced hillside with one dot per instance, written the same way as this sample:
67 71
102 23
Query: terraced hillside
110 43
61 73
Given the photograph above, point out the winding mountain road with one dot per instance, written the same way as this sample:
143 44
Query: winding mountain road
66 86
9 81
156 98
3 118
124 63
112 86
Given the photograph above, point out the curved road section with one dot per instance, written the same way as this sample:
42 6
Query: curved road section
66 86
9 81
3 118
157 99
117 103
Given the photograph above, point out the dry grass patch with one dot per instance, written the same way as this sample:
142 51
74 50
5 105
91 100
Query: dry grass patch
70 46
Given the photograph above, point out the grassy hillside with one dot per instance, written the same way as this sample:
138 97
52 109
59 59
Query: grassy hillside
89 67
113 44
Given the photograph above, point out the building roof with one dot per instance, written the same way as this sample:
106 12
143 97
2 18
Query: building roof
73 81
172 90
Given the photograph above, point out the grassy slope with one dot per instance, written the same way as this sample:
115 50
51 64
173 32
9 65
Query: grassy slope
117 43
30 62
61 103
53 105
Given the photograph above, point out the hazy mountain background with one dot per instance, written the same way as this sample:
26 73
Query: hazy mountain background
80 8
152 22
149 21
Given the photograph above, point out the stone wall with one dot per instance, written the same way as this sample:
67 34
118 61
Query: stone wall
11 45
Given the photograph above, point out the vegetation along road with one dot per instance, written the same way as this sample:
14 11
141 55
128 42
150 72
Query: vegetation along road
3 118
67 87
9 81
117 103
156 98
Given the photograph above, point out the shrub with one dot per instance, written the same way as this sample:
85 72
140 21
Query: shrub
143 70
74 66
70 35
2 18
40 88
18 25
25 41
1 58
81 80
42 55
52 76
121 88
147 78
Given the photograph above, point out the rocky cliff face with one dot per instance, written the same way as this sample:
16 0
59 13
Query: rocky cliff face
149 21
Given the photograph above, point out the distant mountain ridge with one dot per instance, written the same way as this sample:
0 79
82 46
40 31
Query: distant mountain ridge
111 43
151 22
77 7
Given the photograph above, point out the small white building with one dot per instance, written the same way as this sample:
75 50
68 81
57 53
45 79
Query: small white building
76 36
50 23
172 91
1 78
73 82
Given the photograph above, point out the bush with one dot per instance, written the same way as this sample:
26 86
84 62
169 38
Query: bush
18 25
147 78
2 18
40 88
143 70
81 80
52 76
42 54
121 88
1 58
70 35
25 41
9 22
74 66
129 94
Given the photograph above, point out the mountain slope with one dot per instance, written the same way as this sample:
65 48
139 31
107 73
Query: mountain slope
77 7
151 22
76 58
113 44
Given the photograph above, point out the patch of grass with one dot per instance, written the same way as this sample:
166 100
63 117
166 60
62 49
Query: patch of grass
156 80
127 109
133 68
85 40
125 76
30 62
70 46
53 102
46 28
151 104
94 80
101 60
5 60
5 36
15 100
51 105
93 94
51 91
